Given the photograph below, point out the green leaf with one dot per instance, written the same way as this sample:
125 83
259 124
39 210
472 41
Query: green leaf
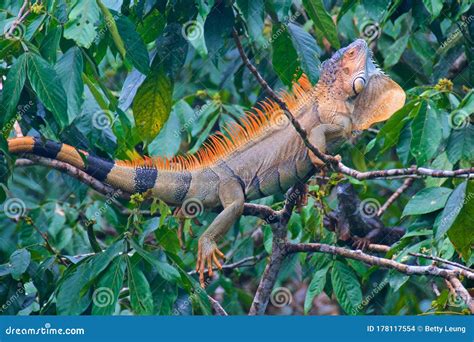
152 26
346 288
168 140
69 68
426 134
112 27
217 29
140 292
434 7
50 45
322 20
136 49
315 288
47 85
19 262
152 104
307 50
253 12
166 271
457 215
73 294
390 132
395 51
460 144
107 291
427 201
81 26
12 89
284 56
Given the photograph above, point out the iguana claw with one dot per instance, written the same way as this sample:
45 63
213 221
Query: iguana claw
208 254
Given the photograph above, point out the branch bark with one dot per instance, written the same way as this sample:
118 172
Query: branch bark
377 261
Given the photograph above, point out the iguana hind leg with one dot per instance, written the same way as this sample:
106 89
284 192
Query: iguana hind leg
232 199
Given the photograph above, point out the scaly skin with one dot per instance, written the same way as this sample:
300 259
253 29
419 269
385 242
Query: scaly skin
351 95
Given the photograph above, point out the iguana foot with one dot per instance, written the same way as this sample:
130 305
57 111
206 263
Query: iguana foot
208 254
361 243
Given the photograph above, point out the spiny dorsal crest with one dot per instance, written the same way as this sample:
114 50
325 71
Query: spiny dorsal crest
256 122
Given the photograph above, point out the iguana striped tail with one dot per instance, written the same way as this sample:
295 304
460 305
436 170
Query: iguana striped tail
125 178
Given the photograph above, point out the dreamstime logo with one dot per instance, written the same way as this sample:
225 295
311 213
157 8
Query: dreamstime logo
461 27
22 109
103 296
192 30
286 20
455 300
377 288
103 119
459 119
14 30
281 297
108 24
13 298
369 207
281 120
192 207
14 208
370 31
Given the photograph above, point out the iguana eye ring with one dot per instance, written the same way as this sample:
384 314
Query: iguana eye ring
358 84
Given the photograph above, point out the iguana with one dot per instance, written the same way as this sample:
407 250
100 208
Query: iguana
260 156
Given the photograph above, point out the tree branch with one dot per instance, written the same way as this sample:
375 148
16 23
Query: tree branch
377 261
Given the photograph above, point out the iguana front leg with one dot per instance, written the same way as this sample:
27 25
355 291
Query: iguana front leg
232 199
319 136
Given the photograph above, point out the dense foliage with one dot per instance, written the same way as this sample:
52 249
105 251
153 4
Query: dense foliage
124 78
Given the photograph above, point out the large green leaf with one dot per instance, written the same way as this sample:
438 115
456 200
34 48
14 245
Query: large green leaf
152 104
166 271
395 51
308 51
140 292
284 56
426 134
69 68
19 261
322 20
426 201
346 288
315 288
169 139
253 12
105 296
457 219
434 7
460 144
218 29
12 89
82 23
461 232
73 295
112 27
136 49
390 132
48 86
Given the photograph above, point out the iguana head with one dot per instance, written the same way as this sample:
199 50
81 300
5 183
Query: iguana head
356 87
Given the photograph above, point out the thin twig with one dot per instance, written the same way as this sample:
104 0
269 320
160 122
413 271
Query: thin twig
441 260
406 184
218 309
